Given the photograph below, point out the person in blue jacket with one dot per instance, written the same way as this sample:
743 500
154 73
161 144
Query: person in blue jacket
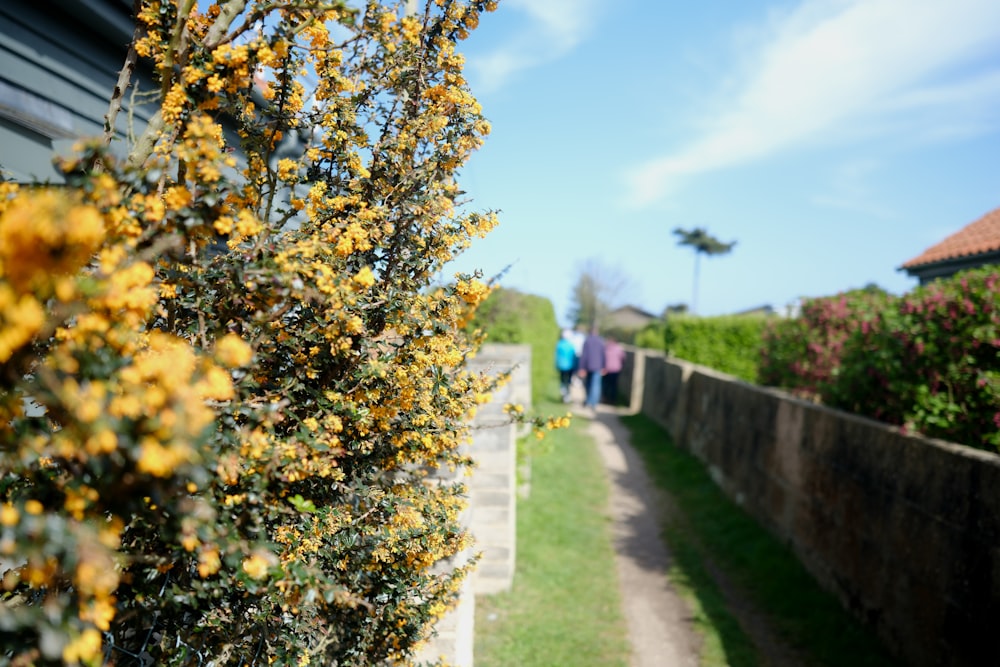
565 363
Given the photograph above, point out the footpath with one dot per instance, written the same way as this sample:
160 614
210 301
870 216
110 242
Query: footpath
658 621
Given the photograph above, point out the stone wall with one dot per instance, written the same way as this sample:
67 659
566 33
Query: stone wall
493 484
904 530
491 515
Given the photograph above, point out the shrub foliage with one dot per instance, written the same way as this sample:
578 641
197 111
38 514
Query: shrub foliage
227 381
510 316
804 353
730 344
928 361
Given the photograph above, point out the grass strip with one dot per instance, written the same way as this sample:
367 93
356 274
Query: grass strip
564 607
723 642
709 528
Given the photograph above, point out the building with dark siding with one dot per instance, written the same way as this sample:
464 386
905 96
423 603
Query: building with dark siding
59 62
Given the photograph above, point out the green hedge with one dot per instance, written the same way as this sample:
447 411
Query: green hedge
510 316
730 343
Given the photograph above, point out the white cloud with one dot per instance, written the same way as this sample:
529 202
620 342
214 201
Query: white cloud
832 65
564 21
549 29
850 189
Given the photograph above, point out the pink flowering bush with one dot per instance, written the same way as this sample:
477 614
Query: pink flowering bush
931 363
928 361
803 354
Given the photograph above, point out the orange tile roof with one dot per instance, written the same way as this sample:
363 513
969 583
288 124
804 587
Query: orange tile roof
976 238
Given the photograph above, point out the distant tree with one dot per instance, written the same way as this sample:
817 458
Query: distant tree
874 288
588 307
703 244
596 292
674 309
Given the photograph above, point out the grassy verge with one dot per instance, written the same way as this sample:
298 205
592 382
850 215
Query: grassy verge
708 529
564 607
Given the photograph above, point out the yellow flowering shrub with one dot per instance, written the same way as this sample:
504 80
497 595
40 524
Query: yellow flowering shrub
226 378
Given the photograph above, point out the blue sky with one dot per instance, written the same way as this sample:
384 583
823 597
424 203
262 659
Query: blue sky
831 139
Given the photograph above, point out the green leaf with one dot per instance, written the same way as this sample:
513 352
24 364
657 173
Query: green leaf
301 504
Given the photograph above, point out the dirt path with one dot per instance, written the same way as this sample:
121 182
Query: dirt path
659 624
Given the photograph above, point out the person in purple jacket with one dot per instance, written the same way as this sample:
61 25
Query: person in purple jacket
592 366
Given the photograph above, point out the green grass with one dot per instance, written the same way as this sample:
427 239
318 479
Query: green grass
564 607
723 642
708 528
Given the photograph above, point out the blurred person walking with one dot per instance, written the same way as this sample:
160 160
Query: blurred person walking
592 366
614 360
566 363
577 336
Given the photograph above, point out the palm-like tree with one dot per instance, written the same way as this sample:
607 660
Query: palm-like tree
703 244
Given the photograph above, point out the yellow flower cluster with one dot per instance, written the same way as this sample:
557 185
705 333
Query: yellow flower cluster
472 291
84 649
257 564
203 146
541 427
175 103
354 238
246 367
21 319
44 235
96 579
287 169
364 278
232 351
130 292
